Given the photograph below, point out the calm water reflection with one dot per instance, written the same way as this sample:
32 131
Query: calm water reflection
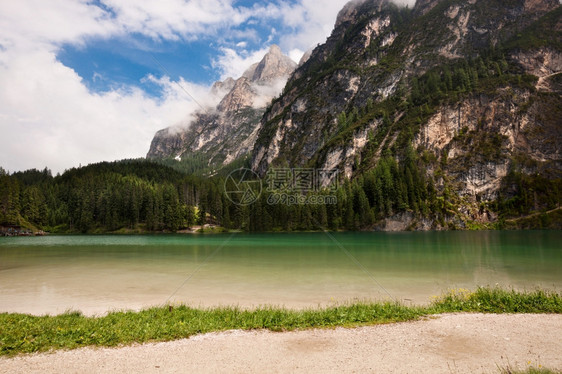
99 273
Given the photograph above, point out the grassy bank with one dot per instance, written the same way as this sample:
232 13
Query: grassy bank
21 333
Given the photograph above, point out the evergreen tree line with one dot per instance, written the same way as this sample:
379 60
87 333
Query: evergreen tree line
484 73
146 196
391 188
101 197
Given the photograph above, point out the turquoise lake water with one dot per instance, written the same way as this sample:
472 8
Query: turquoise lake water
95 274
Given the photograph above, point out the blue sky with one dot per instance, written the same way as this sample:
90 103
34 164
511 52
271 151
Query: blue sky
85 81
104 64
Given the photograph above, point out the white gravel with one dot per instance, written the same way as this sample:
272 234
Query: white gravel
450 343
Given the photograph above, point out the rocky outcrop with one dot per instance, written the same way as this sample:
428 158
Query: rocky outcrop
228 131
473 88
369 69
272 67
424 6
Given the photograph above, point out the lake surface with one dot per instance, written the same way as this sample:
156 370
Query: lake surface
95 274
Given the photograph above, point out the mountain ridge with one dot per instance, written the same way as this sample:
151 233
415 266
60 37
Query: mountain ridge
456 81
446 115
227 131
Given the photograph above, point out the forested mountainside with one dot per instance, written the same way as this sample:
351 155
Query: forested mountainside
131 194
445 115
137 196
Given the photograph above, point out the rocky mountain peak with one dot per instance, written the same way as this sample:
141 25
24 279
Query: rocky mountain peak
463 87
347 13
241 95
222 87
353 9
273 68
275 50
274 65
231 129
305 57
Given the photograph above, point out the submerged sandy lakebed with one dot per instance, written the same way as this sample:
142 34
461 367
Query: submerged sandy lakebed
448 343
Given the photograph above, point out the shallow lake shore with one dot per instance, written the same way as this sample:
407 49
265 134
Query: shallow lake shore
96 274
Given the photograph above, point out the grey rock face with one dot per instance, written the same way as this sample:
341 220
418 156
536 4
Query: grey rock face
228 131
373 55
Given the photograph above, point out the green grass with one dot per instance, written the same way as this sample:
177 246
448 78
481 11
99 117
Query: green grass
531 370
20 333
497 300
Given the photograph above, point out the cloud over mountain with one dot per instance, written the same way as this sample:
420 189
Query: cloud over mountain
49 116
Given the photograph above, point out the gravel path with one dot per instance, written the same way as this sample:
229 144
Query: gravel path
450 343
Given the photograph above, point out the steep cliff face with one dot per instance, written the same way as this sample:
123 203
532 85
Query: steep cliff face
228 131
473 86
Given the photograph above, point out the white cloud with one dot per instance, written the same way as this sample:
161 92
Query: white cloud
48 117
233 64
311 25
409 3
30 23
170 19
312 22
265 93
296 54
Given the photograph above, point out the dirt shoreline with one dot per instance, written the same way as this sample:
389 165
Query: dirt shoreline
449 343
